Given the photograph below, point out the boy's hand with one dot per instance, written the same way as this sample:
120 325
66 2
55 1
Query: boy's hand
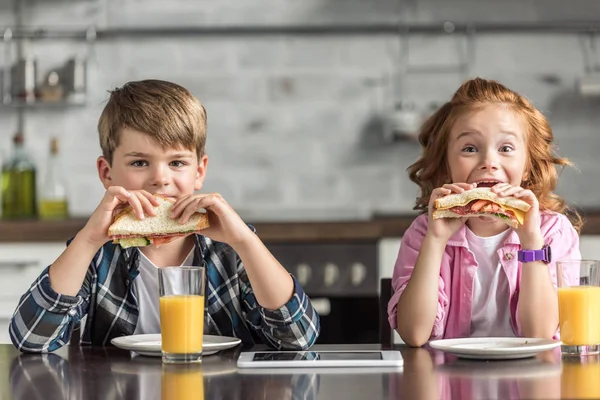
114 201
225 224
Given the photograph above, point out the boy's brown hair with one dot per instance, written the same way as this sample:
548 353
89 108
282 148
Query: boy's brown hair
167 112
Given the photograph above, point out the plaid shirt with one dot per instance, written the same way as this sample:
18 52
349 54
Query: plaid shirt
44 320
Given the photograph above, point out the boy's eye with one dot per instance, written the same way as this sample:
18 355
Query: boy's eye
139 163
178 163
469 149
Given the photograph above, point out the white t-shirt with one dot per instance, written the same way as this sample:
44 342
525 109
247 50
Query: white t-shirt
146 290
490 312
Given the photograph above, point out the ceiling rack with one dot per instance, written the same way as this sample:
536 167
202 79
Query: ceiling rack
584 27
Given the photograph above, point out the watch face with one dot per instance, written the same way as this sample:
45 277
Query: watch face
548 254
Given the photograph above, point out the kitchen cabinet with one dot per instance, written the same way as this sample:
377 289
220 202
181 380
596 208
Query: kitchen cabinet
20 264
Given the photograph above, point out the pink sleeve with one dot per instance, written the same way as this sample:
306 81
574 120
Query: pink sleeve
407 257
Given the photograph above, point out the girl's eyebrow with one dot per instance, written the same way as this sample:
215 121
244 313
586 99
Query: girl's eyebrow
510 133
474 132
467 133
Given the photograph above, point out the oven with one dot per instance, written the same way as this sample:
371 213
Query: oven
342 280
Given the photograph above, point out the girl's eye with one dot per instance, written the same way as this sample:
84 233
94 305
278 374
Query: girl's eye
178 163
139 163
506 149
469 149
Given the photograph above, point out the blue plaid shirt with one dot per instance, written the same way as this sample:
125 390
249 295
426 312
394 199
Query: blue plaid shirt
44 320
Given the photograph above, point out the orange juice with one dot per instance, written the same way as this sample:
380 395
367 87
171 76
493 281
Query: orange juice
182 384
579 315
182 323
580 379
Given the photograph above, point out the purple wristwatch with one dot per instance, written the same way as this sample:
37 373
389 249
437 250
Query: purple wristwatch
545 255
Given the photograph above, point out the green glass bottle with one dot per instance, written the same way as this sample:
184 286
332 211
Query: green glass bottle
18 184
53 193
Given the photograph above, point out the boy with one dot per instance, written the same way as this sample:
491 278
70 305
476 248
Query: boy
152 135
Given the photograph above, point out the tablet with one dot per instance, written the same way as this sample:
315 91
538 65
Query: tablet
314 359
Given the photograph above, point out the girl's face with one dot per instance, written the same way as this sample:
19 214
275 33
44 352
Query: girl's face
488 146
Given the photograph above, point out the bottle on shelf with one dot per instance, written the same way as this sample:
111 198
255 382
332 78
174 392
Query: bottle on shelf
18 183
53 194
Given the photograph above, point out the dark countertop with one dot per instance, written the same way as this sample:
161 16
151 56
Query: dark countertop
110 373
285 232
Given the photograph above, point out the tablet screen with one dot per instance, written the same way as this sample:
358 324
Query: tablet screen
313 355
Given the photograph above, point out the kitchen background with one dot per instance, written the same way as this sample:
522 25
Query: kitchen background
305 126
296 127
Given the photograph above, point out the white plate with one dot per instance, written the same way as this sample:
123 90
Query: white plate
150 344
501 348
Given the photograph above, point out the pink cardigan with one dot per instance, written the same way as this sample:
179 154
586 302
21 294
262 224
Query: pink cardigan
455 284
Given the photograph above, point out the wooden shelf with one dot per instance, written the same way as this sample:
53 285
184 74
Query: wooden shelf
272 232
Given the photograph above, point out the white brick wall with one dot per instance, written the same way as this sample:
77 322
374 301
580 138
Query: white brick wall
287 114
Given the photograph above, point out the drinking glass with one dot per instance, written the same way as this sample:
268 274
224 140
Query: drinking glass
181 292
579 306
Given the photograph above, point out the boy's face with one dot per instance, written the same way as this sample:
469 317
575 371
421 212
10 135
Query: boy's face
140 163
488 145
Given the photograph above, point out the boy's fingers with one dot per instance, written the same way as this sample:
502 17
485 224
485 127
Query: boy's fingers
136 205
153 200
146 204
181 206
189 211
118 192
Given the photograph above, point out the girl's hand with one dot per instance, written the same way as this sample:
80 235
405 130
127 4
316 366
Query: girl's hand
225 224
115 199
529 233
444 228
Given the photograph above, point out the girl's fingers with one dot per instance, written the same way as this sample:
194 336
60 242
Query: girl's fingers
465 186
510 191
525 194
457 187
499 187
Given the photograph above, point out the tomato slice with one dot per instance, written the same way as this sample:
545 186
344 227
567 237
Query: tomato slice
478 205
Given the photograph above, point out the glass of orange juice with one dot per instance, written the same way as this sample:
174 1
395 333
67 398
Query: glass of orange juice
579 306
181 292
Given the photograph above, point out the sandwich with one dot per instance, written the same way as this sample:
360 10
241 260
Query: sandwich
481 202
130 231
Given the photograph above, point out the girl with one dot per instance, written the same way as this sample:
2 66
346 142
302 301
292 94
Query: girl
459 277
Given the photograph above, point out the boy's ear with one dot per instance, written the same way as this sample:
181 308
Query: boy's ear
201 172
104 172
